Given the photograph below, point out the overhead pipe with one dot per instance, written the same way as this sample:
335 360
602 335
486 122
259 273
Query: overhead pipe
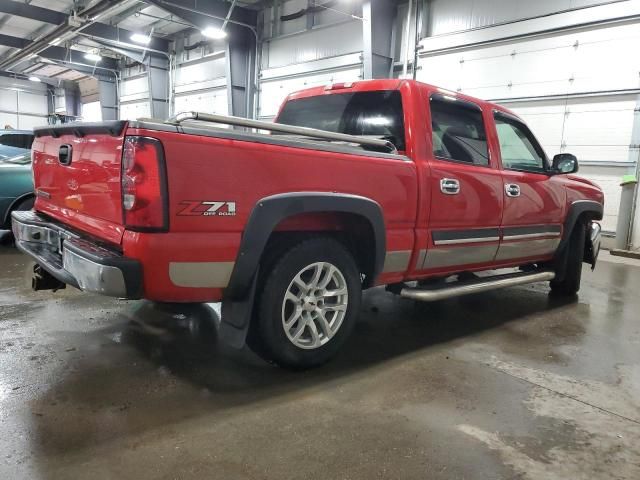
226 19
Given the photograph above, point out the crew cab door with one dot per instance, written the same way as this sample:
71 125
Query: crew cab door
533 200
465 185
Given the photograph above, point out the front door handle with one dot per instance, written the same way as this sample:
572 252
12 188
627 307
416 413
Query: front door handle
449 186
512 189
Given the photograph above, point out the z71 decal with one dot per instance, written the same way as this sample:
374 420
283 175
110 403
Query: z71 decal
208 209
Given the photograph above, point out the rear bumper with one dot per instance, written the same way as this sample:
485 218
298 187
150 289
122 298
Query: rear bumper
74 260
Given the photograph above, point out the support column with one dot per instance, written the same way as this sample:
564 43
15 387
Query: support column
108 94
634 156
240 66
377 27
158 77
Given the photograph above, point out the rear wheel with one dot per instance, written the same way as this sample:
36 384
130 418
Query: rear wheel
307 306
570 284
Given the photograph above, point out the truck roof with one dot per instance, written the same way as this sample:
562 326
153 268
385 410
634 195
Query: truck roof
388 84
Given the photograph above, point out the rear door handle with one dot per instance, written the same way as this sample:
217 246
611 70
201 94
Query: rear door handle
449 186
512 189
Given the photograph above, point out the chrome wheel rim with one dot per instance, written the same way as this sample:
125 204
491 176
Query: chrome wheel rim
315 305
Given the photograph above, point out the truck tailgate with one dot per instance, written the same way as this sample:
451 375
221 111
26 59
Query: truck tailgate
77 176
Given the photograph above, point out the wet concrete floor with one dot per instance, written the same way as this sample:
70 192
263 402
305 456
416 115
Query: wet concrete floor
502 385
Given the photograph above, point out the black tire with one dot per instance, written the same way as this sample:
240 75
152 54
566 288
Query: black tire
267 335
570 284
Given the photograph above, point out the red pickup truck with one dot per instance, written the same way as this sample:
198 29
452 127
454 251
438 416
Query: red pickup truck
384 182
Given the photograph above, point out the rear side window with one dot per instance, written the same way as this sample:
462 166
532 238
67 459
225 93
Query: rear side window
377 114
458 131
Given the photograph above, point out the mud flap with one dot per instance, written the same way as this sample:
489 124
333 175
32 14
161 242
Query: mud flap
593 245
236 317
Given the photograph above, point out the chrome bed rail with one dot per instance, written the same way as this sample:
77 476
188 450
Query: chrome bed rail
282 128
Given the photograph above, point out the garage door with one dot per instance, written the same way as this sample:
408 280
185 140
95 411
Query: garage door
596 130
578 92
212 101
273 92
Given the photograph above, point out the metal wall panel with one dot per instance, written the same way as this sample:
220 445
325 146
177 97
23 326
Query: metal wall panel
273 92
8 119
23 104
608 178
28 122
32 103
132 111
200 75
596 130
457 15
296 25
211 101
315 44
134 89
574 62
570 66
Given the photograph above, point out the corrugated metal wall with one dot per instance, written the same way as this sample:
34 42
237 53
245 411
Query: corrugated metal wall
307 52
457 15
200 79
134 93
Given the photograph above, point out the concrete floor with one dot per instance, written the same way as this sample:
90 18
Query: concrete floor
508 384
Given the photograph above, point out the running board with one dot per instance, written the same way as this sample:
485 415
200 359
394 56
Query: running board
476 286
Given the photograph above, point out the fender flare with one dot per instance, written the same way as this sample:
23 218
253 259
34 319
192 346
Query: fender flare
576 209
270 211
237 304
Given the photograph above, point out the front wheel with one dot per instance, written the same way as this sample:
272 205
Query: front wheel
570 284
307 306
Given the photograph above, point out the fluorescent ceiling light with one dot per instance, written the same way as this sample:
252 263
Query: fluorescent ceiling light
140 38
33 78
213 32
94 57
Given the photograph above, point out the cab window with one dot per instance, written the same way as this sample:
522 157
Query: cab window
519 149
458 131
376 113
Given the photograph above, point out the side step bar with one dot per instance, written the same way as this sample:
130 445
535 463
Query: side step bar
476 286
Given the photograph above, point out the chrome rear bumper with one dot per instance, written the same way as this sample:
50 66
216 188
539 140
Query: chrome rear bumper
74 260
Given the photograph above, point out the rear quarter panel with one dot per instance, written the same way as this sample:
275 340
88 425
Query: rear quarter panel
209 169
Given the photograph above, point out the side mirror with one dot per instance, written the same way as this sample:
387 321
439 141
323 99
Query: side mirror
565 163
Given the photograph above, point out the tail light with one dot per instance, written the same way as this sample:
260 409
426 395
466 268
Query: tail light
144 185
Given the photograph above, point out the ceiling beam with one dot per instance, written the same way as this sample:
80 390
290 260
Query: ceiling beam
102 30
13 42
56 53
109 32
204 14
32 12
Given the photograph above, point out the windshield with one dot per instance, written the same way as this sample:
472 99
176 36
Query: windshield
377 113
23 159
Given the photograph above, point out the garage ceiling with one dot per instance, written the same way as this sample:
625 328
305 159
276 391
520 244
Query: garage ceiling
128 15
